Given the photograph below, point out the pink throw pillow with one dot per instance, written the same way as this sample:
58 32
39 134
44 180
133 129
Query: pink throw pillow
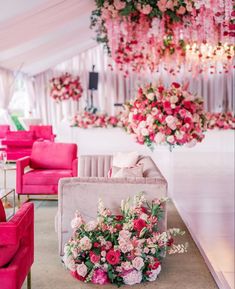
132 172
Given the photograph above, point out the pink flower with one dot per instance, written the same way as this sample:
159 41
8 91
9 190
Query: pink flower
119 5
93 257
85 243
181 10
99 277
113 257
159 138
138 263
154 273
82 270
162 5
77 221
146 9
132 277
139 224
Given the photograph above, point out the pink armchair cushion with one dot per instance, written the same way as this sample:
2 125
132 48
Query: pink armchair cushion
45 177
2 213
45 155
7 253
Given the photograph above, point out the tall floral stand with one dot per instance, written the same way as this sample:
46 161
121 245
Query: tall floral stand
65 106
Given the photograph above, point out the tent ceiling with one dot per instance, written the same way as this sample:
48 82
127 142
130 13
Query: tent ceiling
36 35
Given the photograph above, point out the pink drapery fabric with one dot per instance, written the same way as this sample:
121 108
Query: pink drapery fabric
217 90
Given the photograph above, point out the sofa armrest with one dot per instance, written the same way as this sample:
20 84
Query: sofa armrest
75 168
12 231
21 164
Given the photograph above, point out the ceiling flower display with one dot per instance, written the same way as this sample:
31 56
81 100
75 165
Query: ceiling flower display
141 35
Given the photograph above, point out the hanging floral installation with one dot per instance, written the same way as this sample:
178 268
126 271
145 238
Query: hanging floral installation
142 35
66 86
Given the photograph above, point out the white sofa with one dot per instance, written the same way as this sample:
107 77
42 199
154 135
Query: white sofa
82 193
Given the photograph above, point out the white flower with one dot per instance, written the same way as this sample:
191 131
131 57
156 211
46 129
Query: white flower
144 132
82 269
85 243
133 277
138 263
174 99
69 263
150 96
171 122
154 273
90 226
150 119
159 138
142 124
170 139
192 143
77 221
154 111
144 216
179 135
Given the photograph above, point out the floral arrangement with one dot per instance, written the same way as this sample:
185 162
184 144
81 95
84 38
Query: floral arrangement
164 27
65 87
166 115
121 249
89 120
220 120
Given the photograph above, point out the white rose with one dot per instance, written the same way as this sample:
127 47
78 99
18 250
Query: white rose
142 124
179 135
69 263
150 96
85 243
159 138
77 221
144 132
154 111
174 99
90 226
170 139
150 119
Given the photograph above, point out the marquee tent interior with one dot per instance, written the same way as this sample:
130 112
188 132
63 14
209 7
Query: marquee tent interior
40 41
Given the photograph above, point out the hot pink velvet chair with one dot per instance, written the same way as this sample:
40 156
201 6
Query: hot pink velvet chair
49 162
42 132
3 130
16 247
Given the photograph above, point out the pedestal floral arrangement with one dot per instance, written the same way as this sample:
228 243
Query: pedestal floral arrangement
121 249
66 86
160 115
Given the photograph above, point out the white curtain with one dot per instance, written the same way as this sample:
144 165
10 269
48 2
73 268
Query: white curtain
217 89
6 87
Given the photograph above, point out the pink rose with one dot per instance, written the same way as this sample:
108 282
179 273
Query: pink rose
139 224
162 5
85 243
181 10
159 138
138 263
82 270
113 257
99 277
119 5
146 9
93 257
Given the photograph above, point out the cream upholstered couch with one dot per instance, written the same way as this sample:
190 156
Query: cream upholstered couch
83 193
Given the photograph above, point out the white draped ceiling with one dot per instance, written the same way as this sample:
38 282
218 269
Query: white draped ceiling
38 34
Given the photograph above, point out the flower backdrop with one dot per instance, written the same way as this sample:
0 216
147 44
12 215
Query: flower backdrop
166 115
140 35
65 86
121 249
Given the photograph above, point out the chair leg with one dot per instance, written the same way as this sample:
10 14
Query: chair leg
18 201
29 280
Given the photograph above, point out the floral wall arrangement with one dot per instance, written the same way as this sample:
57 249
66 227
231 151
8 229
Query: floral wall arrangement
140 35
166 115
123 249
66 86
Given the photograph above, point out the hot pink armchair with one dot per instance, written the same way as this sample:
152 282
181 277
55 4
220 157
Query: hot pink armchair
49 162
16 247
42 132
3 130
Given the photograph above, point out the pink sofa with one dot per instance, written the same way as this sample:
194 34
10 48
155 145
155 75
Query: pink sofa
16 247
3 130
49 162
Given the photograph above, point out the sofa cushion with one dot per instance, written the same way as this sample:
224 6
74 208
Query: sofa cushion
125 159
133 172
45 177
49 155
2 213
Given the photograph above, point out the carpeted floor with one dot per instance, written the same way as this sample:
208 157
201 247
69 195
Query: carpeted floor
182 271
